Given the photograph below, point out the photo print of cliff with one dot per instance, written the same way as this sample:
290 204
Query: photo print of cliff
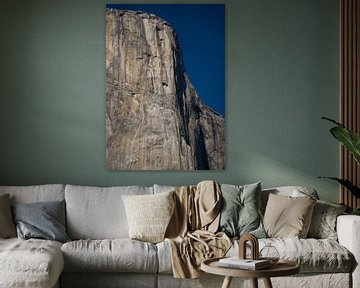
165 86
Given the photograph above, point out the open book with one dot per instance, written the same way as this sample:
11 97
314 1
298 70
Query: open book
236 262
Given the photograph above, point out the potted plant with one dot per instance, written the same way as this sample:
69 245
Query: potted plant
351 141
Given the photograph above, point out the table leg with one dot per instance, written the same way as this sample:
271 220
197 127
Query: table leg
254 282
267 283
227 282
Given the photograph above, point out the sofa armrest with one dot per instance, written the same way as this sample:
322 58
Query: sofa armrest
348 230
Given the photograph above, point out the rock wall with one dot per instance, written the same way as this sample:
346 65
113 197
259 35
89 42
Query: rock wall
154 118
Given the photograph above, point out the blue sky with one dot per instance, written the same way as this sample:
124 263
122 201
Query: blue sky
201 32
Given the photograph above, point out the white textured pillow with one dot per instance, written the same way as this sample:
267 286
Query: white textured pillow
323 222
149 215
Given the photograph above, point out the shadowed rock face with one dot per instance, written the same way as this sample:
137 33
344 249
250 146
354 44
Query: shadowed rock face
154 118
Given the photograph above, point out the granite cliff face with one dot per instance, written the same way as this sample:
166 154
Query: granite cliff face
154 118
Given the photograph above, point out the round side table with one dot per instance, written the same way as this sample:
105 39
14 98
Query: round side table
281 268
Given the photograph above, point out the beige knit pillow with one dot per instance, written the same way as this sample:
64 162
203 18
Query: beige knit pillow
7 226
148 215
288 217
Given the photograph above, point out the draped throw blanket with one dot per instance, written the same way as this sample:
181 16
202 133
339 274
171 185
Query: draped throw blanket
191 232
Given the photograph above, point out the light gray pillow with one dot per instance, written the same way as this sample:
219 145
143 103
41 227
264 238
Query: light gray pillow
44 220
7 226
240 213
323 222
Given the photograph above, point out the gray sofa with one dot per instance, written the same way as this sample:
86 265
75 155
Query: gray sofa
101 254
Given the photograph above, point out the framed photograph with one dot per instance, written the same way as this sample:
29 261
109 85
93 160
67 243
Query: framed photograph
165 86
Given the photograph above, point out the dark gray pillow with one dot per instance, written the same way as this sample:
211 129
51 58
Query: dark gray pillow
44 220
7 226
240 213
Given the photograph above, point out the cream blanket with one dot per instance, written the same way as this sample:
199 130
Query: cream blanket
191 231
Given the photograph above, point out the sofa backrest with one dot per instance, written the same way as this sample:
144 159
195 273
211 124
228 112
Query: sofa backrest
98 212
36 193
163 188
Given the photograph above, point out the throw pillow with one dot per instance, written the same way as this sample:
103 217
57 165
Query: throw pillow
149 215
44 220
323 222
7 226
288 217
292 191
240 210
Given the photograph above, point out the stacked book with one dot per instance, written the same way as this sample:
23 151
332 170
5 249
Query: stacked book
248 264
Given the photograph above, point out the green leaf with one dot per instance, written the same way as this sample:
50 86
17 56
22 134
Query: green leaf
355 211
347 184
333 121
348 138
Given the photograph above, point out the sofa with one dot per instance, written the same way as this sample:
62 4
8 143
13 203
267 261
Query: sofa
99 252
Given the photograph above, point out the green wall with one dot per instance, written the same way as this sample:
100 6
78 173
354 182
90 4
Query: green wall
282 76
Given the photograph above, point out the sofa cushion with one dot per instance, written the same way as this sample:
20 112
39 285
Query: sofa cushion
98 213
149 215
7 226
313 255
116 255
43 220
287 216
164 257
36 193
30 263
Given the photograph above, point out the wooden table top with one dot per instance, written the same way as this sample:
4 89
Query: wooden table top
281 268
